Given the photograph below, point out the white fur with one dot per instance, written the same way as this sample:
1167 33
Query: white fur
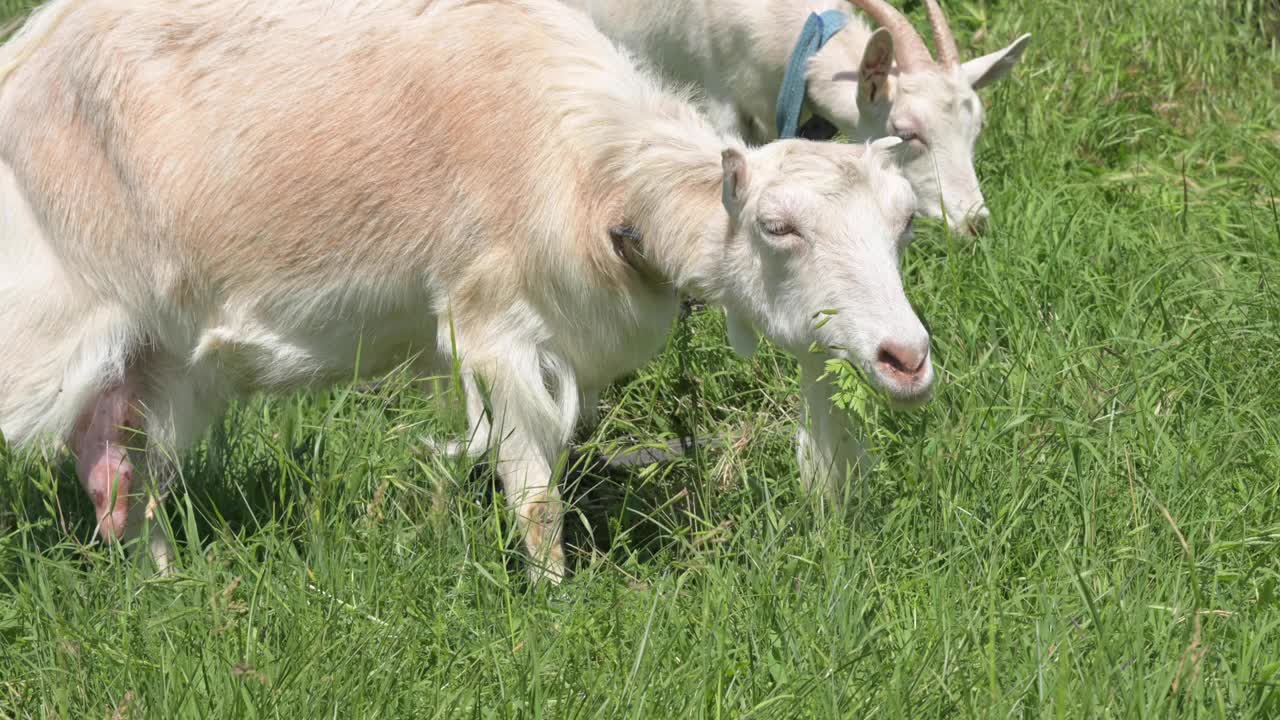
70 345
211 200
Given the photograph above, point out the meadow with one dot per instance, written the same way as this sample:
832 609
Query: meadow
1084 523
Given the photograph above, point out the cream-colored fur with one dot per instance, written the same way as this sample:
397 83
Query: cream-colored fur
736 52
219 198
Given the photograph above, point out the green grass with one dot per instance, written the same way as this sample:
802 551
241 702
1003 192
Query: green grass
1084 523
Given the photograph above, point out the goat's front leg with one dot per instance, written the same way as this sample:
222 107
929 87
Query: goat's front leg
476 443
533 495
590 413
830 443
530 433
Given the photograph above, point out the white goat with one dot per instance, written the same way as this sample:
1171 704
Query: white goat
736 52
203 200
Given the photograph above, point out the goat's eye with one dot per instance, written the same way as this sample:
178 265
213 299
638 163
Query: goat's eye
778 227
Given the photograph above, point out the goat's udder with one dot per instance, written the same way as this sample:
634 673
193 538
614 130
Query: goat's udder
102 458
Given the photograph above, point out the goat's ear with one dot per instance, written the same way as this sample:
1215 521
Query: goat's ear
734 184
989 68
873 73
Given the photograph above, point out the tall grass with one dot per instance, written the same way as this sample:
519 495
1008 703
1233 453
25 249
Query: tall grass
1085 523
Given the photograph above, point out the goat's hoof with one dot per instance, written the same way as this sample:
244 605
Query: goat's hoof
448 449
552 572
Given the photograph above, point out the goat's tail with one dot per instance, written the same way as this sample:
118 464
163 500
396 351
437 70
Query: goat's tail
58 346
38 26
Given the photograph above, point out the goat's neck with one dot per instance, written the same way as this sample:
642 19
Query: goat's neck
673 200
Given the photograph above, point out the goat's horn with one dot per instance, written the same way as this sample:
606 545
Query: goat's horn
908 45
943 41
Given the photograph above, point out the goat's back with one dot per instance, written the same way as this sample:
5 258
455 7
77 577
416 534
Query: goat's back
180 151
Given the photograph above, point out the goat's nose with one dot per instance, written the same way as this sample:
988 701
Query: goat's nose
902 359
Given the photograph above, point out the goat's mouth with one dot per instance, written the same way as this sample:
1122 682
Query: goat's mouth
904 393
971 223
908 398
900 390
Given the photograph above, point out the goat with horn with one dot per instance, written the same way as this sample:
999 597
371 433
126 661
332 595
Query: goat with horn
204 200
865 84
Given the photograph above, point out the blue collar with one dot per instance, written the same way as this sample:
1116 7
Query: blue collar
818 29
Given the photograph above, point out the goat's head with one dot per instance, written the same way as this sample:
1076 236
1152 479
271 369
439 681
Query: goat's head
932 106
818 231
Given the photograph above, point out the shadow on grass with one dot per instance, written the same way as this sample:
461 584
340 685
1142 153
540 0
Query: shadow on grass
633 504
